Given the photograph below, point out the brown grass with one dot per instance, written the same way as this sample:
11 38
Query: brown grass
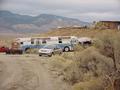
89 66
95 84
78 32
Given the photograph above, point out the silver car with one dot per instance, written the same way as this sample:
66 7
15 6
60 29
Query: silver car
50 50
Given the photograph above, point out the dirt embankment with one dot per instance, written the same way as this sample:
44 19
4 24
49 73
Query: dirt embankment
27 72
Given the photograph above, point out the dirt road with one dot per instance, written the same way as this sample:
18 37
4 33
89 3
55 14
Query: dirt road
27 72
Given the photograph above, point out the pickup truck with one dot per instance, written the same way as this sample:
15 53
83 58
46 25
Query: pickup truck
3 49
14 49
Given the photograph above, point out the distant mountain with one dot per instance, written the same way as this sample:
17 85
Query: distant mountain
15 23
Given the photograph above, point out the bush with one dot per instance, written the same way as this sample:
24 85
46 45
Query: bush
87 68
71 55
86 65
108 45
81 66
78 48
32 51
58 64
68 56
96 84
73 74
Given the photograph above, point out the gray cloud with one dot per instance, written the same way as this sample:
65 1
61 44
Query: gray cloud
1 2
82 9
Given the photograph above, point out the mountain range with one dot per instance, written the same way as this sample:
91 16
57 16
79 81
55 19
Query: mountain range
16 23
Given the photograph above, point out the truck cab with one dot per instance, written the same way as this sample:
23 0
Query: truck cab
15 49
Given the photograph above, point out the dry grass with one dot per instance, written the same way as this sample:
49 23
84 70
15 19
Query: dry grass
59 63
86 68
81 66
88 64
7 38
78 32
95 84
32 51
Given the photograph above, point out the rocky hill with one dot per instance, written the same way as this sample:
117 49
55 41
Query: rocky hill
16 23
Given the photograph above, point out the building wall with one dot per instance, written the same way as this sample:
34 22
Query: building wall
107 25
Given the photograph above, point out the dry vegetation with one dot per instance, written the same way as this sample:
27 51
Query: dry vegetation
7 38
78 32
93 68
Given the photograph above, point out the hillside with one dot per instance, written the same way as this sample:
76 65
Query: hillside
78 32
15 23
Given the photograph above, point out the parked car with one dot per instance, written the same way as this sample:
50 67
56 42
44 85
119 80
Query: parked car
3 49
50 50
85 41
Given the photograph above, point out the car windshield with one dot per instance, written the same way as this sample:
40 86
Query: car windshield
49 47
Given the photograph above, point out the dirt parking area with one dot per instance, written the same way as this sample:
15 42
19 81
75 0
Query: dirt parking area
27 72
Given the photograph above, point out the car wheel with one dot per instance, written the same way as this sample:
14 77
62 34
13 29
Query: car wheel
27 50
40 55
66 49
51 54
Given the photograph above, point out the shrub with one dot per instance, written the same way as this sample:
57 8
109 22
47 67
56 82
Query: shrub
86 65
78 48
32 51
96 84
68 56
108 45
73 74
58 64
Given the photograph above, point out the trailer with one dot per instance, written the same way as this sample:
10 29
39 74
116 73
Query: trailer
65 42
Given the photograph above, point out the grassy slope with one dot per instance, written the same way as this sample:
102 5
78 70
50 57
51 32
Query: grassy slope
7 38
78 32
74 72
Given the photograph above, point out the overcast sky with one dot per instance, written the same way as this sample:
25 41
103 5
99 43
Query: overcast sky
85 10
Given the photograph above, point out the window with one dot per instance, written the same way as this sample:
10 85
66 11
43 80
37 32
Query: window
44 42
21 42
32 42
60 40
